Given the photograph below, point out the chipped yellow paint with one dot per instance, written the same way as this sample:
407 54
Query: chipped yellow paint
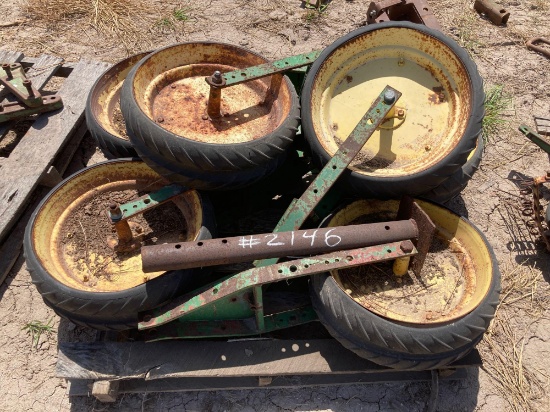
436 95
99 273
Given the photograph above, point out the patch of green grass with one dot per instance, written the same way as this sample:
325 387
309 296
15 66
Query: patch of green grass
310 16
497 102
165 23
36 328
181 14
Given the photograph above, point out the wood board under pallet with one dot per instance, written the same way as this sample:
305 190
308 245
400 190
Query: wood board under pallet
44 152
107 369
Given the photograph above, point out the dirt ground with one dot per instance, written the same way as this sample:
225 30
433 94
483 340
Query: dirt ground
516 350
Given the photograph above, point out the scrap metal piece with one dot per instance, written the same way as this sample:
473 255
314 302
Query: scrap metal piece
415 11
184 255
273 273
535 138
495 13
15 110
543 125
542 50
409 209
267 69
147 202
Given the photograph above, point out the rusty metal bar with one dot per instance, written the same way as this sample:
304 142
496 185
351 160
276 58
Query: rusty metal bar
494 12
184 255
544 51
415 11
281 271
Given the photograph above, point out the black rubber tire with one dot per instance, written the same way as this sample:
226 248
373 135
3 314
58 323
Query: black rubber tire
112 145
455 184
195 157
208 181
398 345
413 184
111 310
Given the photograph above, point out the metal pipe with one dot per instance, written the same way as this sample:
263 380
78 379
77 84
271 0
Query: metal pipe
173 256
497 14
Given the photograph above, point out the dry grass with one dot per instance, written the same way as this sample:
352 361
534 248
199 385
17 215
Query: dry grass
127 20
524 300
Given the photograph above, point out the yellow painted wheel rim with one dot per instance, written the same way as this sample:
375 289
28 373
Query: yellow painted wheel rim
170 86
442 300
100 274
436 99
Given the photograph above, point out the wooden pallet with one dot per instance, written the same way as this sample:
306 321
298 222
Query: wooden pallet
41 156
107 369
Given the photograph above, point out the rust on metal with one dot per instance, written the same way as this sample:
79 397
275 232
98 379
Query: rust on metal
173 256
495 13
416 11
531 45
171 84
409 209
268 274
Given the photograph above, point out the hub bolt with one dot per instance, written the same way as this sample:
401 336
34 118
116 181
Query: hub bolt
401 112
217 77
407 246
389 97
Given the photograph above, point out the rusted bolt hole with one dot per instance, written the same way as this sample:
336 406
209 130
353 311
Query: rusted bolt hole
215 291
337 260
233 299
388 250
243 74
387 227
135 206
326 262
315 190
293 268
306 265
224 241
147 201
200 243
349 258
425 9
178 246
334 167
280 270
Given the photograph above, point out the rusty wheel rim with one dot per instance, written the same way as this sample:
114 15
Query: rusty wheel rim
170 88
431 115
98 272
451 286
105 104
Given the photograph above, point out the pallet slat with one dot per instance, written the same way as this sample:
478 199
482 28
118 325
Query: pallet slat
196 359
20 173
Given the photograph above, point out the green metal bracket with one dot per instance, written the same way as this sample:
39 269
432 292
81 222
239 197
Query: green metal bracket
232 285
268 69
229 328
150 201
535 138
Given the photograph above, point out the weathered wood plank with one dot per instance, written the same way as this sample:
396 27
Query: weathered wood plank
176 359
11 248
19 175
43 69
83 387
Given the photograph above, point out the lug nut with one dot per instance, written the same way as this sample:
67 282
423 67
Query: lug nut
401 112
406 246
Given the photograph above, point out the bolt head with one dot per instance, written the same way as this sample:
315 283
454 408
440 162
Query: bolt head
389 97
401 112
407 246
372 14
